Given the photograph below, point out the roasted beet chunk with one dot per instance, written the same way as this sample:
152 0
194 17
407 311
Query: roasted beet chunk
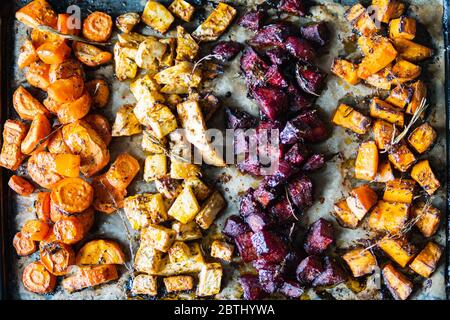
315 162
272 101
226 50
297 154
253 19
310 268
317 33
331 276
319 237
277 56
275 78
265 194
250 166
298 100
292 132
291 289
300 48
269 247
270 278
307 127
259 221
234 226
245 246
237 119
310 78
280 174
296 7
283 211
271 35
300 191
254 68
251 287
290 264
248 204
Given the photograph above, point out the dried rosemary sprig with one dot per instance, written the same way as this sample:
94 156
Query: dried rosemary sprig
417 114
164 149
72 37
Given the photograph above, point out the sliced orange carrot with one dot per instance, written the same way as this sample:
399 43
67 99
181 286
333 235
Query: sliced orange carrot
97 26
27 54
56 257
37 75
36 13
69 230
39 37
67 165
34 141
57 145
48 239
53 52
13 134
37 279
36 230
101 125
122 171
72 195
26 105
24 245
66 69
20 185
99 91
86 218
56 214
91 55
89 276
75 110
68 24
41 168
107 198
42 206
66 90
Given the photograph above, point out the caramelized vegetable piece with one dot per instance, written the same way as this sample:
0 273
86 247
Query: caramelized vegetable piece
366 165
53 52
389 217
107 198
383 54
427 260
20 185
182 9
388 9
156 16
347 117
399 286
97 26
26 105
400 190
398 249
385 173
344 215
90 276
404 71
66 90
383 133
36 278
127 124
67 165
400 96
99 91
428 218
363 198
401 157
360 20
360 261
345 70
36 230
39 130
66 69
425 177
57 145
86 218
216 23
37 75
383 110
69 230
420 93
382 79
13 134
68 24
100 252
57 257
36 13
403 27
74 110
422 138
412 51
122 171
101 125
41 168
27 54
42 206
72 195
23 244
90 55
127 21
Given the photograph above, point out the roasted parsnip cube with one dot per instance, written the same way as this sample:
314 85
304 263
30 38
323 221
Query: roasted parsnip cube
344 215
169 188
222 250
420 93
400 190
388 9
181 74
399 286
385 172
179 252
347 117
210 209
383 133
422 138
169 57
156 16
428 218
401 157
186 232
150 54
159 118
200 189
400 96
360 261
382 79
178 283
147 105
14 132
183 170
126 123
363 198
148 259
403 27
127 21
412 51
366 165
216 23
182 9
155 167
398 249
383 110
383 54
345 70
145 284
193 264
185 207
361 21
209 279
152 144
158 237
175 89
187 47
143 86
422 173
389 217
144 209
427 260
132 38
125 67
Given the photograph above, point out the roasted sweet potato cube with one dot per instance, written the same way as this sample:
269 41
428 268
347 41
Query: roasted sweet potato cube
185 207
148 259
216 23
422 138
319 237
382 55
385 172
14 132
383 110
347 117
412 51
404 71
389 217
345 70
182 9
222 250
361 21
245 246
209 279
423 174
210 209
363 198
361 261
427 260
428 218
401 157
381 79
398 249
399 286
145 284
383 133
400 96
366 165
403 27
344 215
420 93
178 283
400 190
156 16
158 237
309 269
269 246
332 275
388 9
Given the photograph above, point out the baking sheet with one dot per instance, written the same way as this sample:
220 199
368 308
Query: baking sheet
331 183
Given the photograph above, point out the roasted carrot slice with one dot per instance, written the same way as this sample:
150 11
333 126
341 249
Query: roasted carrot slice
37 279
24 245
101 125
56 257
100 252
48 239
75 110
42 206
39 37
67 165
26 105
65 70
56 214
20 185
53 52
86 218
122 171
68 24
69 230
66 90
27 54
36 230
97 27
72 195
36 13
99 91
91 55
107 198
57 145
37 75
89 276
34 141
13 134
41 168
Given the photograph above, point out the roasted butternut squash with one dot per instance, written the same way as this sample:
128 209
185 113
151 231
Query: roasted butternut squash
404 71
344 215
366 165
388 9
420 93
389 217
361 21
362 199
383 54
383 110
428 218
361 261
401 157
122 171
37 75
53 52
427 260
68 24
383 133
385 172
27 54
347 117
41 168
67 165
399 250
400 190
412 51
399 285
400 96
37 13
422 138
403 27
345 70
425 177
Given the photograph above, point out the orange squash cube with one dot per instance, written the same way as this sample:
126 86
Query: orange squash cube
403 27
400 190
400 96
366 165
380 58
427 260
399 286
422 138
383 110
401 157
385 172
347 117
345 70
36 13
420 93
389 216
363 198
360 261
383 133
412 51
425 177
398 249
387 10
405 71
360 20
428 218
344 215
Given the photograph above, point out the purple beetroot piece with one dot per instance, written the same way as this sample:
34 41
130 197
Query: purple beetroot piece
318 33
259 221
265 194
226 50
269 246
248 204
237 119
306 127
297 154
291 289
275 78
319 237
271 35
310 78
254 68
296 7
283 170
315 162
298 99
300 49
270 278
272 101
283 211
331 276
309 269
300 191
251 287
235 226
277 56
253 19
250 166
245 246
